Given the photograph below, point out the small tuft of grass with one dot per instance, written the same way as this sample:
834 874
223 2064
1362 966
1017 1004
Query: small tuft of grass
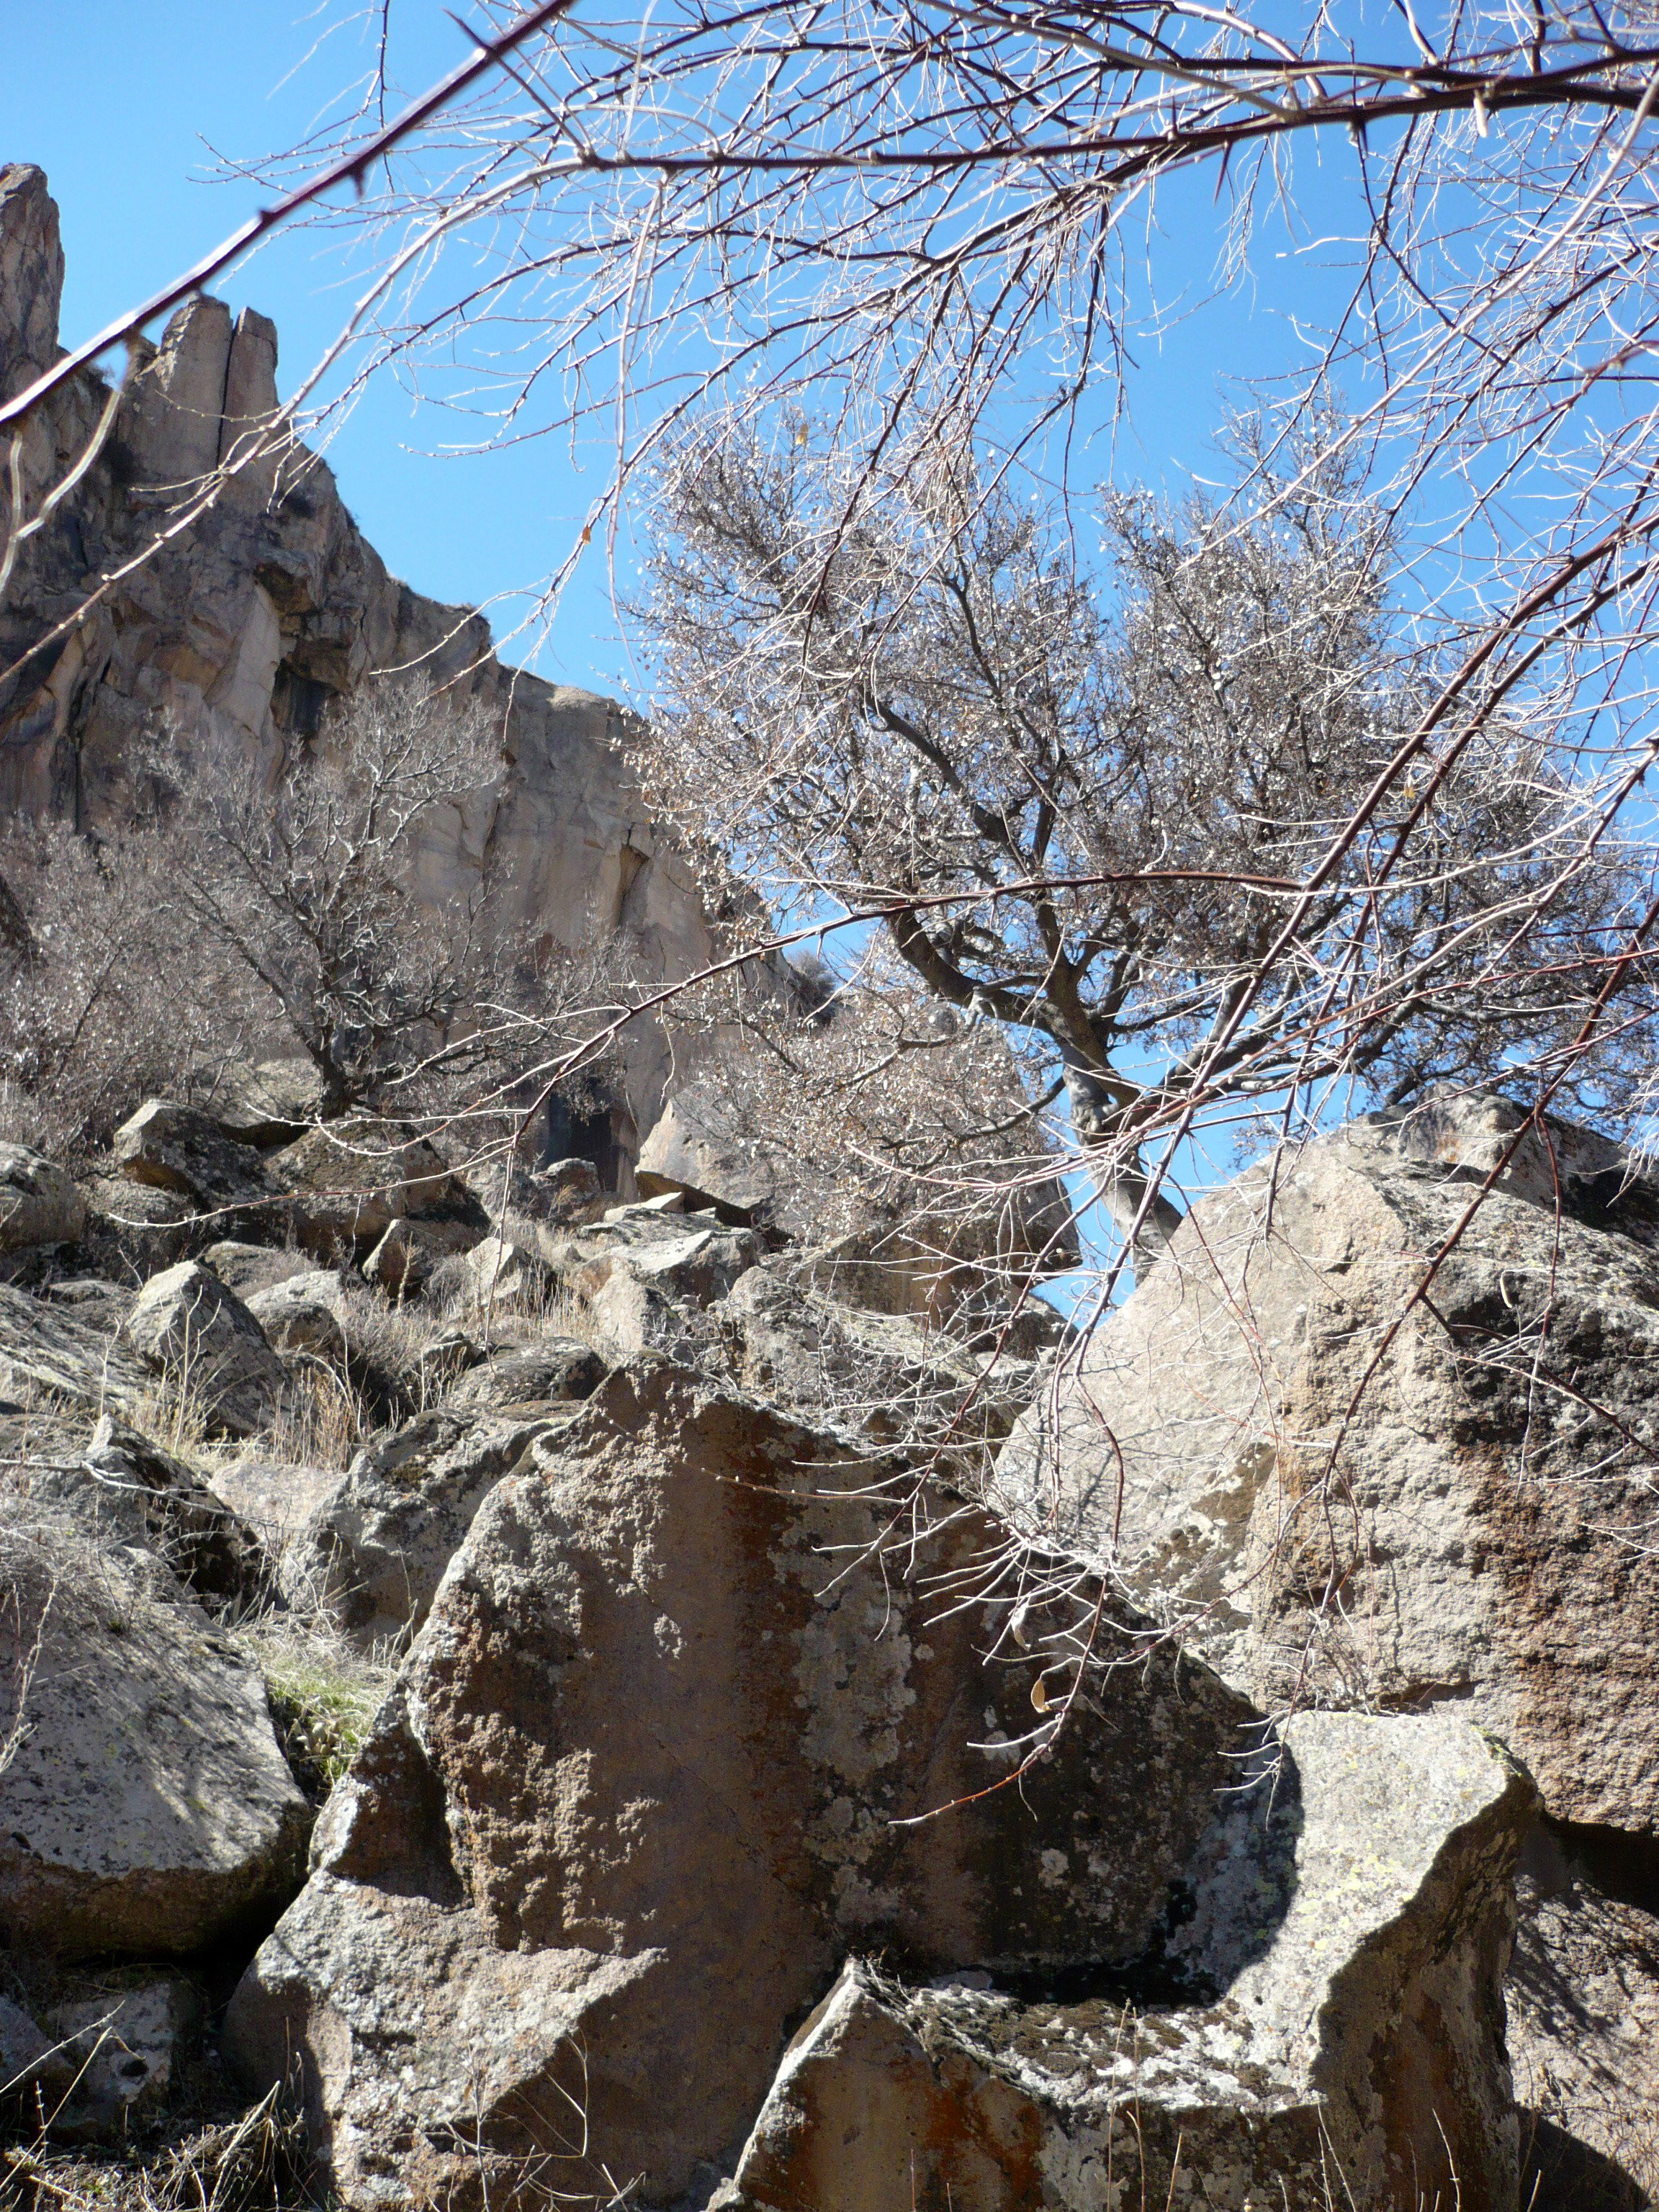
323 1696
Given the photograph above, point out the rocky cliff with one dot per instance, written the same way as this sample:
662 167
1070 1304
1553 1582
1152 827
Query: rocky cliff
238 619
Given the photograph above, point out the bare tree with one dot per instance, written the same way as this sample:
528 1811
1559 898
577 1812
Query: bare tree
1085 807
107 992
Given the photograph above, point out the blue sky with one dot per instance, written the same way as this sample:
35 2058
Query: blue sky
130 117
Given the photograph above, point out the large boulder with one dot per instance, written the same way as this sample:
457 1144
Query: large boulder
1347 1493
50 1347
698 1713
349 1179
176 1148
204 1341
145 1808
1348 1484
1583 2017
38 1202
1352 2056
890 1376
303 1312
373 1550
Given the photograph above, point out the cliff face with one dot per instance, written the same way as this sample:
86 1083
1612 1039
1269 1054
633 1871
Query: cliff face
241 619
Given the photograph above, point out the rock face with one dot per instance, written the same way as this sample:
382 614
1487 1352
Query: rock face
895 2095
51 1349
375 1549
656 1765
1344 1496
260 610
203 1340
147 1808
1486 1460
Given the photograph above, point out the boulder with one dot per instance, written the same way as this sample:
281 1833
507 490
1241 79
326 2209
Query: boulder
303 1313
45 1346
1345 1496
662 1759
496 1272
375 1549
274 1498
350 1180
1355 2058
270 1103
246 1269
410 1252
204 1341
146 1808
38 1202
889 1375
132 1229
644 1273
690 1148
128 2047
29 2060
176 1148
127 1489
558 1370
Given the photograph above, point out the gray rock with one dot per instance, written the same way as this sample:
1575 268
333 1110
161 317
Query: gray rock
643 1272
145 1809
888 1376
270 1104
129 1489
493 1273
177 1148
303 1313
350 1180
39 1204
29 2059
204 1341
1270 1419
375 1548
655 1767
128 2047
246 1269
1355 2059
1583 1996
411 1252
44 1346
134 1230
558 1370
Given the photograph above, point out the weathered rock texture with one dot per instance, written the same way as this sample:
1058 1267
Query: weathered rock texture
38 1202
146 1808
955 2097
373 1550
1387 1502
655 1766
262 610
1347 1496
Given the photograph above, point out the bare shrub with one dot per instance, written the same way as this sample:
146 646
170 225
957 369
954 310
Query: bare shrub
119 998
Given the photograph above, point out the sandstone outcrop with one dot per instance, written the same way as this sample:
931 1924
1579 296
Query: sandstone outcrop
145 1809
257 611
661 1758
